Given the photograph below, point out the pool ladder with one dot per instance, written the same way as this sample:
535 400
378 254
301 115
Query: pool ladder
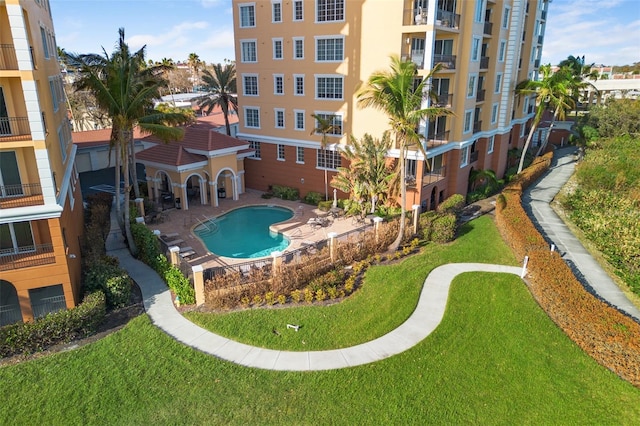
211 227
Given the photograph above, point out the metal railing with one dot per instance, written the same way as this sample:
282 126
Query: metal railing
14 126
415 16
488 28
474 156
443 100
8 59
447 19
484 62
540 39
417 57
480 95
10 314
47 305
435 175
477 126
448 61
20 195
437 139
27 256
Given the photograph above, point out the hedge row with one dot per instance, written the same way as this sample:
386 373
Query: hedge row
58 327
607 335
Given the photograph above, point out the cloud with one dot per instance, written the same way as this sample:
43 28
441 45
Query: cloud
178 35
219 40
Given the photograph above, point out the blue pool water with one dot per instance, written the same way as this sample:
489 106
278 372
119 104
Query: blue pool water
244 233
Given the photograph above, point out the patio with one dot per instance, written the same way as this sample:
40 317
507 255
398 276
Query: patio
308 226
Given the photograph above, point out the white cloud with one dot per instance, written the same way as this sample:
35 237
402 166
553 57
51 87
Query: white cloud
179 34
219 40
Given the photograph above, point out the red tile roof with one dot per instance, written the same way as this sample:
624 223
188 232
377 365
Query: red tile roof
172 154
201 137
98 137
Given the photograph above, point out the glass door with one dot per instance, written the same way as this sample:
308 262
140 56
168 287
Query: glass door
10 183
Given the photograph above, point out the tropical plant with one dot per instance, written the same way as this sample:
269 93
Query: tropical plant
551 90
125 87
221 91
369 173
194 64
581 73
395 93
325 125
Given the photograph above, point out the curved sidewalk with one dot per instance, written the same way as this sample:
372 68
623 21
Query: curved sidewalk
536 201
425 318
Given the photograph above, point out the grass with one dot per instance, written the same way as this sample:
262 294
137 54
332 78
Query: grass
495 359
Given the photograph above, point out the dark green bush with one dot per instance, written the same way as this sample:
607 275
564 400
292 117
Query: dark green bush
105 275
444 228
426 224
285 192
453 204
148 245
176 281
313 198
325 205
55 328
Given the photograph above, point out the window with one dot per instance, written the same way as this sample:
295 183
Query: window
498 86
250 85
299 119
277 48
16 237
298 48
479 15
468 117
328 159
278 84
471 87
280 152
54 96
256 148
276 11
464 156
248 48
279 115
329 10
330 49
45 43
505 17
336 123
502 50
475 49
299 83
298 11
329 87
299 155
252 117
494 113
521 131
490 142
411 168
247 15
526 105
64 138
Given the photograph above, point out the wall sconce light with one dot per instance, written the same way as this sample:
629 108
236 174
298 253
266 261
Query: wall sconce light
302 181
408 40
72 256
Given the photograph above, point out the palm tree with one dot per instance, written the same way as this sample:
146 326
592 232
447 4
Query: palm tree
325 125
395 93
194 63
125 88
581 73
221 91
552 90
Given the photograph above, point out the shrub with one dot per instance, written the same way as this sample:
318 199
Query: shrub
58 327
177 282
444 228
453 204
147 243
270 298
425 222
313 198
282 299
296 296
320 295
105 275
325 205
285 192
308 295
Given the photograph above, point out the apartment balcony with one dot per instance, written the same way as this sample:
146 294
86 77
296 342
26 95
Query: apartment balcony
480 95
448 61
540 39
488 28
446 19
433 176
473 157
25 195
484 62
477 126
536 63
531 109
443 101
543 15
415 16
437 139
8 59
26 257
14 129
417 57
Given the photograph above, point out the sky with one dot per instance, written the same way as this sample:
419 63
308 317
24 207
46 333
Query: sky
605 31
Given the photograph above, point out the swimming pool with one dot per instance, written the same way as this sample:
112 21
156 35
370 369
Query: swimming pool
244 232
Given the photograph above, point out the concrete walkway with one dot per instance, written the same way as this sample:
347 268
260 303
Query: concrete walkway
426 317
536 201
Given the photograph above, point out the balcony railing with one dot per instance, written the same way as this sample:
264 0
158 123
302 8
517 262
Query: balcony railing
443 100
433 176
8 59
14 129
437 139
477 126
21 195
417 57
540 39
536 63
484 62
447 19
473 157
415 16
27 256
488 28
480 95
543 15
448 61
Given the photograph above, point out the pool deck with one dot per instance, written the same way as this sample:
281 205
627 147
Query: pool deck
182 222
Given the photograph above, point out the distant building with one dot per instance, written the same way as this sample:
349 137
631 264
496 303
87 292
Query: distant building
41 212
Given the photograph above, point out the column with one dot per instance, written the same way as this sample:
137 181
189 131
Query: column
333 245
198 284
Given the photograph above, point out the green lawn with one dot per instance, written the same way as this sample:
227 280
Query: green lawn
495 359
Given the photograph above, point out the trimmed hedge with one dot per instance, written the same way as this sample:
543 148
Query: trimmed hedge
58 327
105 274
607 335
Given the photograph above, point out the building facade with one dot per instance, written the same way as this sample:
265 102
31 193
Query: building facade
301 57
41 212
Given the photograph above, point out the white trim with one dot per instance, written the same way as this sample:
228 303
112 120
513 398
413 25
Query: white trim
244 86
275 118
295 85
334 76
478 51
328 37
293 45
273 3
273 48
293 11
474 87
275 84
344 14
242 5
464 121
295 120
248 40
247 107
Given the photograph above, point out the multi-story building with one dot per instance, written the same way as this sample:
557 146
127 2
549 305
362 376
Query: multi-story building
296 58
41 212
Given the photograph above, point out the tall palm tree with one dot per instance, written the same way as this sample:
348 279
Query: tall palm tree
125 88
552 90
194 64
325 125
582 74
395 93
221 91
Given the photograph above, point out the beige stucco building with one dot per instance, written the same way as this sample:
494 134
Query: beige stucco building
296 58
41 213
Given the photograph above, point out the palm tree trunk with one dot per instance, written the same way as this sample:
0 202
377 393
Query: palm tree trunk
546 137
326 188
403 200
132 164
526 146
117 186
127 198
